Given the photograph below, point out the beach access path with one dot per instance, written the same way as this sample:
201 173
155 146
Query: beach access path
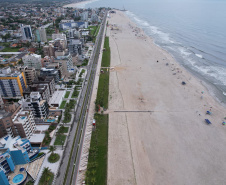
157 132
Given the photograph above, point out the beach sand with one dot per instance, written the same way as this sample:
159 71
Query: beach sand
78 4
171 144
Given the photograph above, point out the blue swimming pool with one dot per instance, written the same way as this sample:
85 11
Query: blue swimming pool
50 120
18 178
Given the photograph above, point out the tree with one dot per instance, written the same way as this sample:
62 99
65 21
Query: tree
6 36
45 174
52 149
93 180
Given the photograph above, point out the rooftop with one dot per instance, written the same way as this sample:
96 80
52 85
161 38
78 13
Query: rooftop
57 96
37 138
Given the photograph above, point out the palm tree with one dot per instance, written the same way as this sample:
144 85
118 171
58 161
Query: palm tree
52 149
45 174
93 180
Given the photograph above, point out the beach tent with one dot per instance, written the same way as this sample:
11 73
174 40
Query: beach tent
207 121
208 112
183 83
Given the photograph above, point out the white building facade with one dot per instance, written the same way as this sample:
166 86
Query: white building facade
32 60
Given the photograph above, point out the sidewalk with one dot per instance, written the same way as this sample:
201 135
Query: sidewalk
86 145
52 166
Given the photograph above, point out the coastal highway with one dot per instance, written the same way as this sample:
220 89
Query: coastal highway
67 174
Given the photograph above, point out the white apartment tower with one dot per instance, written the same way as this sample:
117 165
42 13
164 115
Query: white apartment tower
24 123
32 60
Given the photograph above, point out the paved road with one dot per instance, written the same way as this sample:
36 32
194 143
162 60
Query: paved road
79 120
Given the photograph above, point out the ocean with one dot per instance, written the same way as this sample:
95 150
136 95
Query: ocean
193 31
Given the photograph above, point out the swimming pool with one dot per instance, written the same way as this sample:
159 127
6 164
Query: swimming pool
50 120
18 178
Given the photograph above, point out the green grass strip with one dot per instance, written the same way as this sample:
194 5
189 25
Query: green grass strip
67 94
60 139
97 164
106 54
62 105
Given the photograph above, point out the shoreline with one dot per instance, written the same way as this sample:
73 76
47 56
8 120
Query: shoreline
217 93
172 139
78 4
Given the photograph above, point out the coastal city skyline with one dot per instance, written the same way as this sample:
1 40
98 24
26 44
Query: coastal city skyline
112 92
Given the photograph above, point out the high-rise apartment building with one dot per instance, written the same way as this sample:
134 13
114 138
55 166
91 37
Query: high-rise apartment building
26 32
29 72
14 121
66 63
46 80
12 84
32 60
84 16
14 151
37 105
1 102
75 46
41 34
49 50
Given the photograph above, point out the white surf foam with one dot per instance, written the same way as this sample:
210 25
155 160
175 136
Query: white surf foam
199 55
184 51
224 93
84 3
217 72
150 29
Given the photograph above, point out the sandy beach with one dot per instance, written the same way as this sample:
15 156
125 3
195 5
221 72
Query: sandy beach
157 132
78 4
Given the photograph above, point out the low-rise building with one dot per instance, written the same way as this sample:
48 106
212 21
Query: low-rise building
50 72
57 98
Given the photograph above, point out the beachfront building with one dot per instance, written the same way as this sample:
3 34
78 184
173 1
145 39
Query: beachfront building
37 105
14 151
29 73
32 60
12 84
14 121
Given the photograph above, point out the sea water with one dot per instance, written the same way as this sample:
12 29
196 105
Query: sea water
193 31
